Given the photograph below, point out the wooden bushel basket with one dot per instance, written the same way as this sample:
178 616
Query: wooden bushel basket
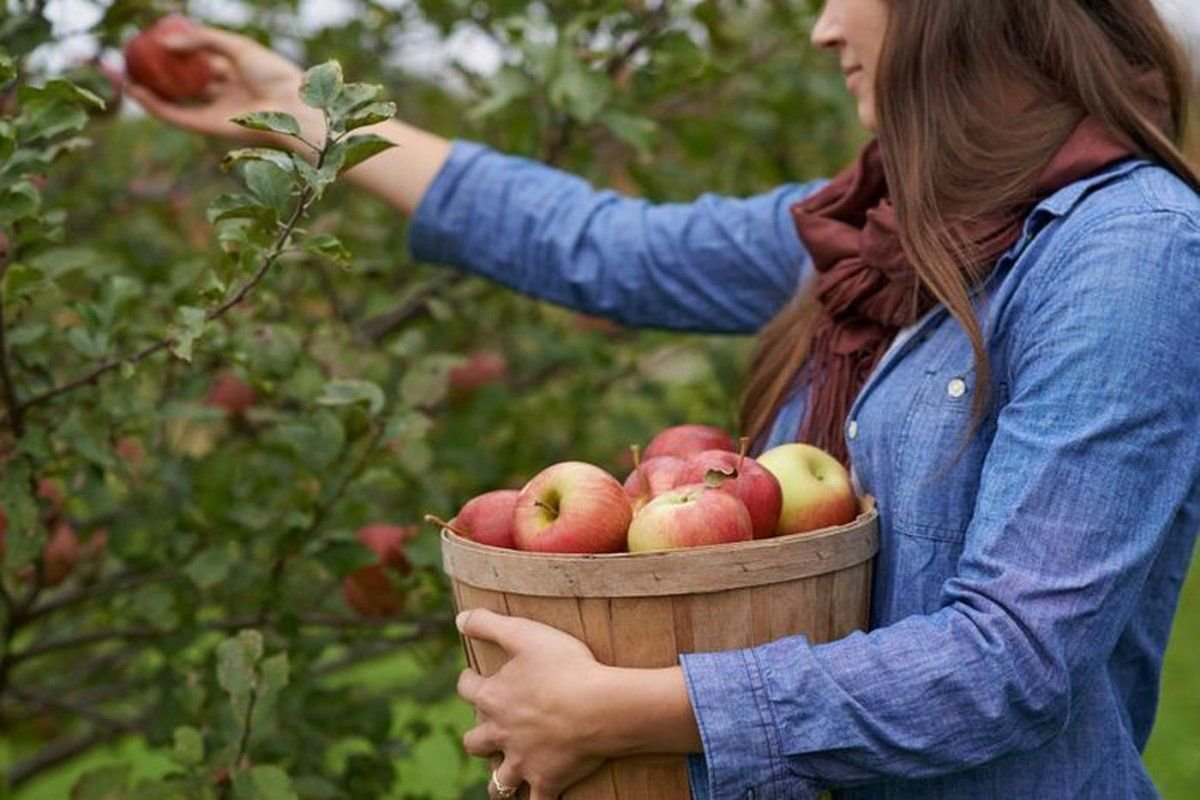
644 609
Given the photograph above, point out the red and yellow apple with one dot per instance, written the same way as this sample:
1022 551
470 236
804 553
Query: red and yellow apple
746 480
488 518
690 516
572 507
817 492
652 477
682 441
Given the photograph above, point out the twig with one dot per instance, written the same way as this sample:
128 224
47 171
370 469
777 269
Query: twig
382 325
305 200
58 753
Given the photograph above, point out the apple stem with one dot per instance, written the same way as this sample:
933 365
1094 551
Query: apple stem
441 523
637 465
745 445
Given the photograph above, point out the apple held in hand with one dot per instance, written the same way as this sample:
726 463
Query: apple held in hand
817 492
169 74
690 516
488 518
370 590
685 440
747 480
572 507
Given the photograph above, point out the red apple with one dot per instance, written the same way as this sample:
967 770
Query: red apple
817 492
60 555
482 368
685 440
488 518
170 74
572 507
694 515
232 394
651 478
746 480
370 590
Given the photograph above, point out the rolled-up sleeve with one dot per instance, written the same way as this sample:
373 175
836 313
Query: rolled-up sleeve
1095 453
718 265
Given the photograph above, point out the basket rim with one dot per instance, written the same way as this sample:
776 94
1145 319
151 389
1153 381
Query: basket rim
693 570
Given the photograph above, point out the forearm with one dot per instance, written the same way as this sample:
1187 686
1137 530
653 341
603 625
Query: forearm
647 711
401 176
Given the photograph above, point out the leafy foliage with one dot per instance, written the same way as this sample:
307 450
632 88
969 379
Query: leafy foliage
202 615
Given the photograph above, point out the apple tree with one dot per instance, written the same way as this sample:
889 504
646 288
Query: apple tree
230 395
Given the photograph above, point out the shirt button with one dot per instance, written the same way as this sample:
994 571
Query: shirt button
957 388
852 429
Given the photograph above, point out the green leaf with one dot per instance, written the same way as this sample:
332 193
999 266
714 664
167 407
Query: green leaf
370 115
277 157
63 90
211 567
270 185
639 132
353 392
19 201
577 89
361 147
236 660
321 85
507 86
353 97
327 246
272 121
8 68
190 324
46 119
316 441
189 746
103 783
263 783
238 206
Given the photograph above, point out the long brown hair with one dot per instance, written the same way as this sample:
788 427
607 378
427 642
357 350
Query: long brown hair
957 145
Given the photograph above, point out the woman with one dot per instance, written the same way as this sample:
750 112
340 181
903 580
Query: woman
992 316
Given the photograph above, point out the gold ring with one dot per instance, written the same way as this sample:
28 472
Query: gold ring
503 792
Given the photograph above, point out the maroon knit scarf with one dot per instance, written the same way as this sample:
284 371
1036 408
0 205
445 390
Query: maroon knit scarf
868 290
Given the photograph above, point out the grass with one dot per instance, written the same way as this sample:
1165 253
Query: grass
435 766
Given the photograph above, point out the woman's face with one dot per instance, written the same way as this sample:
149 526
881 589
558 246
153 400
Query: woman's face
854 29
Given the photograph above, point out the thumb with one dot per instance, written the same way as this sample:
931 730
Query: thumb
481 623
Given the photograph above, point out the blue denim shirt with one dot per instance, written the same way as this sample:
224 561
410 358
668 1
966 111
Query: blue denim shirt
1029 569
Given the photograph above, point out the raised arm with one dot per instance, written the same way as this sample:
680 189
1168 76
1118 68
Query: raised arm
250 77
714 265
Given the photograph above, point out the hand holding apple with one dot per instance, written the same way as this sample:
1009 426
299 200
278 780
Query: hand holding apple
170 74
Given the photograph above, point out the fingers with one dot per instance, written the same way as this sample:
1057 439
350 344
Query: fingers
505 782
469 684
480 623
482 741
173 113
200 37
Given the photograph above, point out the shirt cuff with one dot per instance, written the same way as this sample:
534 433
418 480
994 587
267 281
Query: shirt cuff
437 223
743 757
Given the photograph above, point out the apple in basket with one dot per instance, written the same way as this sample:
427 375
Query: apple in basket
691 516
651 477
572 507
817 492
746 480
684 440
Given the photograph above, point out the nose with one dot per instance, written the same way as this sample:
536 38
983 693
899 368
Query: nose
827 32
